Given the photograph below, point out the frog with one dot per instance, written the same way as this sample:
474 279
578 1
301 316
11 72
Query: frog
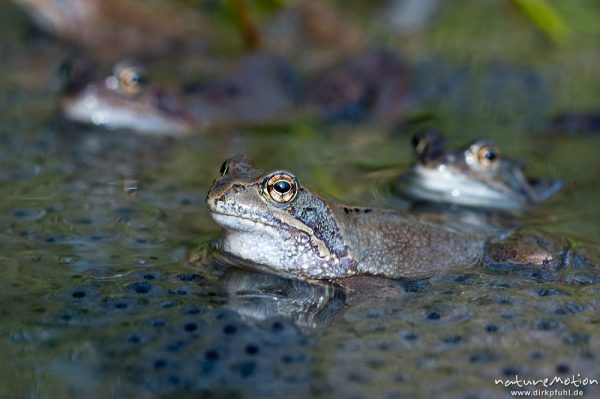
272 222
475 175
261 88
125 99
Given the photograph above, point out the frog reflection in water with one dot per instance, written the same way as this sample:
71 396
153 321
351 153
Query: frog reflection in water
475 175
272 221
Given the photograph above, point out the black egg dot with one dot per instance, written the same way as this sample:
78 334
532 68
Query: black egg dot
563 368
548 292
140 287
191 310
410 337
537 355
173 380
491 328
230 329
282 186
160 363
385 346
548 325
212 355
452 339
277 326
189 277
78 294
433 315
252 349
134 339
484 356
190 327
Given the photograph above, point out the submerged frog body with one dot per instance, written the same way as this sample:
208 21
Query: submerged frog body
124 99
271 220
475 175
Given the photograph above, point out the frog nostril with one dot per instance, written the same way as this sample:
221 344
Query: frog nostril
238 188
219 199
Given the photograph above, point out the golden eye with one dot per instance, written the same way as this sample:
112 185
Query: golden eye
132 80
281 187
488 156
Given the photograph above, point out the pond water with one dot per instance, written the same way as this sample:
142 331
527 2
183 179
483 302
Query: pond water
110 288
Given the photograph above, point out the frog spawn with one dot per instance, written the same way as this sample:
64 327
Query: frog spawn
166 342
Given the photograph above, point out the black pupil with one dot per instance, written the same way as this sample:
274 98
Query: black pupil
282 186
137 79
490 155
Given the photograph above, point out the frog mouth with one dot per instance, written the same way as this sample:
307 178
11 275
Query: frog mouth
157 112
241 223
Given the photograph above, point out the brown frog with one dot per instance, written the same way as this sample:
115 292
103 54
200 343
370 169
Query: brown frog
476 175
270 220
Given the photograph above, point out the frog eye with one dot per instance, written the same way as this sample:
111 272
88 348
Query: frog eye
488 156
131 79
281 187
